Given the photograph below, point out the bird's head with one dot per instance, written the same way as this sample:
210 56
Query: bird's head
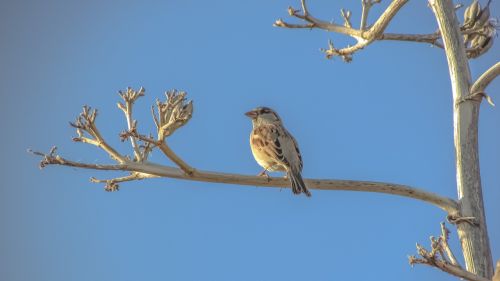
263 115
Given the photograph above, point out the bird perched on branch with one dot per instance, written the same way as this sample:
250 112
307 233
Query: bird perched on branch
274 148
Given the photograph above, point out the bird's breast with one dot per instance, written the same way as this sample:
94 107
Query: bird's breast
263 154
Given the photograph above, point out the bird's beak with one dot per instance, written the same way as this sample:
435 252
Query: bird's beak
252 114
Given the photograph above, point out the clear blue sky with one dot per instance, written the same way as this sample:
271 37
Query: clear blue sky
387 116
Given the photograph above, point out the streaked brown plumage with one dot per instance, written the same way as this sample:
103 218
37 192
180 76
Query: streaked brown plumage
274 148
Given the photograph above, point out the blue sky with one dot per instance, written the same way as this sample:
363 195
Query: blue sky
387 116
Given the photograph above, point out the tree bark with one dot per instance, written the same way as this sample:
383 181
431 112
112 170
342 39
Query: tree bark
473 238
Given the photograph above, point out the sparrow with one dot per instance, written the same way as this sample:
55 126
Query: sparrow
274 148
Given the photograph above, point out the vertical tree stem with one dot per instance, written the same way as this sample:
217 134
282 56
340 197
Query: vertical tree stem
473 238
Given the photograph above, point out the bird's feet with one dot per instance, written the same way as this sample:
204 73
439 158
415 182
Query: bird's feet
264 174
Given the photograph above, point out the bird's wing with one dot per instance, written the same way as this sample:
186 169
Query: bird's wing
268 138
295 149
290 149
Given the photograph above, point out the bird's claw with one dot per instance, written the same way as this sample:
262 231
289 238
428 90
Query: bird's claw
264 174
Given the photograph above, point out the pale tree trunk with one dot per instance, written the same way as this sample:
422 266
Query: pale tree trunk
473 238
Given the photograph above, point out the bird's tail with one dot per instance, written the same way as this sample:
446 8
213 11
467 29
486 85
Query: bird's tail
298 185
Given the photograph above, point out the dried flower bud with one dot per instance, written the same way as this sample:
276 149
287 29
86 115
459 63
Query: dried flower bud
174 113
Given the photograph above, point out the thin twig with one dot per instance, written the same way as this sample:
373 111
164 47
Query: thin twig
281 23
447 204
445 233
329 26
129 97
304 7
112 184
346 15
86 122
162 145
440 261
423 38
365 8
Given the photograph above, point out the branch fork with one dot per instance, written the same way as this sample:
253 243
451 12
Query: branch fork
478 28
88 133
363 36
172 114
440 256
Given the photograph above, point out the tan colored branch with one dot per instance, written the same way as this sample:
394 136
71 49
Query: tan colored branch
481 36
129 97
85 122
436 257
346 15
383 21
317 23
162 145
445 234
363 37
281 23
423 38
176 159
112 184
450 268
486 78
448 205
365 8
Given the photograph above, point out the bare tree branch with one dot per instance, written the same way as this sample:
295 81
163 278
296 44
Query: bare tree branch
85 122
478 30
174 113
112 184
445 235
449 268
423 38
317 23
366 6
176 159
363 36
486 78
129 97
436 257
162 145
383 21
346 15
154 170
281 23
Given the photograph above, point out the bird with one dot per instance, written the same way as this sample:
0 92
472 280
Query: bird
275 149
